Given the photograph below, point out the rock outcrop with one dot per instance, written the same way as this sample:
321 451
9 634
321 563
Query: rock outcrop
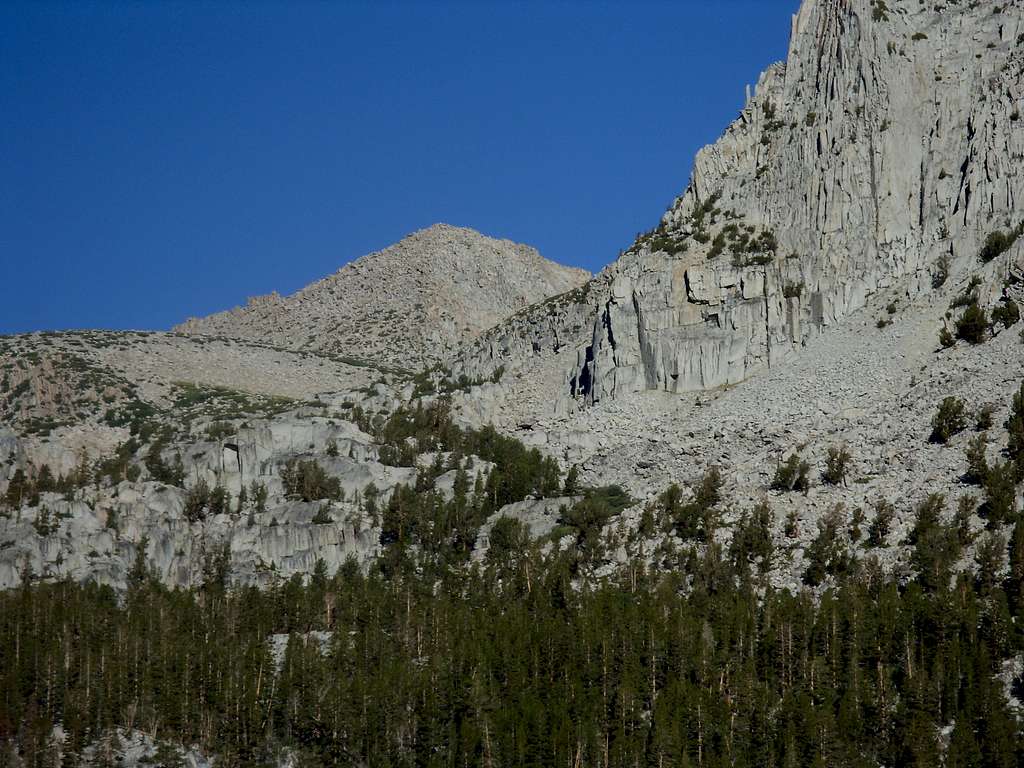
96 532
409 305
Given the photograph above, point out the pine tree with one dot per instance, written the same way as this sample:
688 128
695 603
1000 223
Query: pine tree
572 479
139 572
1000 504
936 545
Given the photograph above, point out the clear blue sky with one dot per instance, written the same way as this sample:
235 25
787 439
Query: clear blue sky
164 159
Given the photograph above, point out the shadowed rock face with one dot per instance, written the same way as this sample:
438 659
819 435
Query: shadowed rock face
889 138
408 305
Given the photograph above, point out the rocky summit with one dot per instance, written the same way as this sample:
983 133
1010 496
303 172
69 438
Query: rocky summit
751 495
410 305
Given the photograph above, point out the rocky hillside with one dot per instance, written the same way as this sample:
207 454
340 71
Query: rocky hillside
190 477
409 305
885 150
761 266
81 388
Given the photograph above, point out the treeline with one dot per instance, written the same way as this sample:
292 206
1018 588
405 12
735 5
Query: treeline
512 665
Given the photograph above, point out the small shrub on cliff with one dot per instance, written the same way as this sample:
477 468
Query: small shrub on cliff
828 554
965 508
941 274
752 538
972 325
160 470
694 519
1000 494
977 462
258 493
968 296
998 243
572 481
836 464
220 501
196 501
322 516
717 246
857 520
984 419
1015 429
949 419
1006 314
743 260
792 290
878 531
792 475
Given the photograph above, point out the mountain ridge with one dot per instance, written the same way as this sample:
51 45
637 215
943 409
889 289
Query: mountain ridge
410 304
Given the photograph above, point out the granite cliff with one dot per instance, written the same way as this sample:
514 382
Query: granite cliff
882 153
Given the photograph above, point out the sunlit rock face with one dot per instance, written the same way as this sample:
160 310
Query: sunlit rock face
882 152
889 139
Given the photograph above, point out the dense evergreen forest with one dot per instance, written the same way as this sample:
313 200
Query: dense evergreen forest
528 658
512 666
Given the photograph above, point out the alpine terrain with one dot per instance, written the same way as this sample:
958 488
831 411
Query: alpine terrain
750 496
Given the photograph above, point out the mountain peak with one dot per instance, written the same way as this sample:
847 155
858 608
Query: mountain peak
410 304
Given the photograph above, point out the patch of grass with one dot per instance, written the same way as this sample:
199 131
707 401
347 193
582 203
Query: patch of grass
223 404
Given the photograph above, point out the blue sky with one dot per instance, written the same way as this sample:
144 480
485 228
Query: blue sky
165 159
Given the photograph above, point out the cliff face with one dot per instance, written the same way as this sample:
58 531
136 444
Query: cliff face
408 305
883 151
